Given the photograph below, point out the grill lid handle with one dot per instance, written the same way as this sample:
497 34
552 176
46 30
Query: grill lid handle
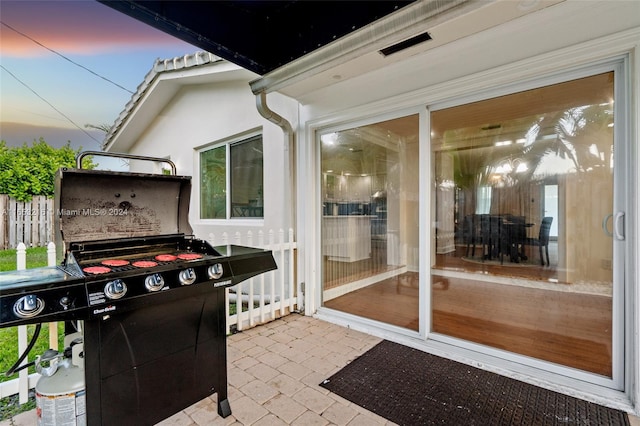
127 156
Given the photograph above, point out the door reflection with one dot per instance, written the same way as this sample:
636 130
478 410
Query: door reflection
522 183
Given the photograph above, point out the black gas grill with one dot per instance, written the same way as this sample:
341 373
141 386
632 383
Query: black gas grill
150 294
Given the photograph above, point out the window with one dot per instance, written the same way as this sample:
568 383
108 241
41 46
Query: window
231 180
483 196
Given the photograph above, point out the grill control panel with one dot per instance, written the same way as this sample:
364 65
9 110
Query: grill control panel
69 292
112 294
44 304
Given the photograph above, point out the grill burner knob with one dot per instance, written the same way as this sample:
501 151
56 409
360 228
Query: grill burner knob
154 282
115 289
215 271
28 306
187 276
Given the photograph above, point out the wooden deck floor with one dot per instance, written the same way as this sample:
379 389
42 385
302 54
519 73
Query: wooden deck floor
571 329
393 301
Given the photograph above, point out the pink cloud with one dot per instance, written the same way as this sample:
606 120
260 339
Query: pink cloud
84 27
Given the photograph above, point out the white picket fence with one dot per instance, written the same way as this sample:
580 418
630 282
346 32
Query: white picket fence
273 295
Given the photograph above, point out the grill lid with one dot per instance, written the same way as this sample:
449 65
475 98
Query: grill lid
92 205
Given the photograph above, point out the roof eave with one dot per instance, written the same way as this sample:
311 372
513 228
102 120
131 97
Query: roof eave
387 31
359 52
159 86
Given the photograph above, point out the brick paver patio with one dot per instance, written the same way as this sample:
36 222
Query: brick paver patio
274 372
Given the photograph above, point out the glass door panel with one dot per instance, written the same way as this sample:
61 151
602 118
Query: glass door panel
523 183
369 189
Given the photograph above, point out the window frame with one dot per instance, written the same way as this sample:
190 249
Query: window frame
227 143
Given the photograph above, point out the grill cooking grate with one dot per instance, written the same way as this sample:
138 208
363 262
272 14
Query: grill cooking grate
178 263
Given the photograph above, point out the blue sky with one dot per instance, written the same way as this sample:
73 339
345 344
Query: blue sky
67 97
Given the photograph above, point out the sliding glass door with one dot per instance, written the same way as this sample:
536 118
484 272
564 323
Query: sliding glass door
524 203
369 220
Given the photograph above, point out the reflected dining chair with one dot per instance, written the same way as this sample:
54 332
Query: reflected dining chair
543 238
485 236
516 235
469 234
492 237
499 238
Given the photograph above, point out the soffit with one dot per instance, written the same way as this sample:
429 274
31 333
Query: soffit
445 27
301 46
258 35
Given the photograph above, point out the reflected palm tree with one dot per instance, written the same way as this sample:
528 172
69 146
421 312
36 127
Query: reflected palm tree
582 135
588 132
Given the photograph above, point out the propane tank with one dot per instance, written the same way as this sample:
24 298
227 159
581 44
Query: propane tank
60 391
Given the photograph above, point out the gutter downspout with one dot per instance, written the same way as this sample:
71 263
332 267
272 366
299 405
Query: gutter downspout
290 146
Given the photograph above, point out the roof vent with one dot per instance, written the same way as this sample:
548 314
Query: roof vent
405 44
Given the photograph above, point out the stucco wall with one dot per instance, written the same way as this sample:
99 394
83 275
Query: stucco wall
204 114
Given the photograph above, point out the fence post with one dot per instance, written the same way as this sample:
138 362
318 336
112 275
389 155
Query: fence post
251 283
261 245
292 279
51 254
21 260
239 304
272 281
281 248
53 326
227 312
4 226
44 219
23 375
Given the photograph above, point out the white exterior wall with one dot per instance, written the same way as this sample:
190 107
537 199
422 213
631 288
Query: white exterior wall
202 114
554 40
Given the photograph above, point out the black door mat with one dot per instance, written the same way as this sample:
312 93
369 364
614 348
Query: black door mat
411 387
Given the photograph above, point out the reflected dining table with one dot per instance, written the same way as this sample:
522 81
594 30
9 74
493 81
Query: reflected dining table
499 235
514 235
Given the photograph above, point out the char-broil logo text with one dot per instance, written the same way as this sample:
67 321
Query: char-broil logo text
109 308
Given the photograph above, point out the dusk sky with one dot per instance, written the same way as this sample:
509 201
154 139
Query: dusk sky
42 94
